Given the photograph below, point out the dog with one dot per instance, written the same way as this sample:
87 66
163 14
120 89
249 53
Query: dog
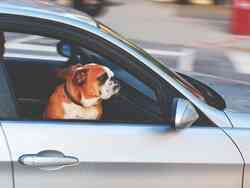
81 95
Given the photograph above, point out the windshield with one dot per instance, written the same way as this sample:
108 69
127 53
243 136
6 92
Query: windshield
173 74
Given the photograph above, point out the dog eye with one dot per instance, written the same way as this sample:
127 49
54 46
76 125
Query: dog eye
103 78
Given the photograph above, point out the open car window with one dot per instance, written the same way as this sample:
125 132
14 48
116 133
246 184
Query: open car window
136 90
124 75
32 67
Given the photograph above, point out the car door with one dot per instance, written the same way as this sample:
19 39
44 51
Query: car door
121 155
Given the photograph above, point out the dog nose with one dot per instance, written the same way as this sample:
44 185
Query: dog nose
115 81
117 85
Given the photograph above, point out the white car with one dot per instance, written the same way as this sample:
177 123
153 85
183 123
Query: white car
163 130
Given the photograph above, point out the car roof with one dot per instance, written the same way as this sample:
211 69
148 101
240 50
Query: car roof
46 10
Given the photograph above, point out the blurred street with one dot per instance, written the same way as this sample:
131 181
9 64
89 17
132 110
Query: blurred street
187 38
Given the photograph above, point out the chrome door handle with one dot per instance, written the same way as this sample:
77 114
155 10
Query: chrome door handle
48 160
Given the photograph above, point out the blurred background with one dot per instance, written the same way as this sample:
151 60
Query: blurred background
210 37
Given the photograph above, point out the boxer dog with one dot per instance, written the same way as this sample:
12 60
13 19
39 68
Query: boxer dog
81 95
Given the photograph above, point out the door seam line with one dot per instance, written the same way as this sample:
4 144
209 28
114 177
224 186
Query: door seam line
10 155
244 162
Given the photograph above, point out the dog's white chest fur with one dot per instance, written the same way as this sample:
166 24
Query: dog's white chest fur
73 111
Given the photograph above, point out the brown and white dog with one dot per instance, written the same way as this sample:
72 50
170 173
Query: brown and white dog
81 95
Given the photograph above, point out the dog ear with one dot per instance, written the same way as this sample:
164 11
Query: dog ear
80 76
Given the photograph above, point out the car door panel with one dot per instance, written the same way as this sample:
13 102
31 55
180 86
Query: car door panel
122 155
161 175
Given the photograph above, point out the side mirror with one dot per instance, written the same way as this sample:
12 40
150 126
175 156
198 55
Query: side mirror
65 49
184 114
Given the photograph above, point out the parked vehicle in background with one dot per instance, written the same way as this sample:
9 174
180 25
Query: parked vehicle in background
198 2
91 7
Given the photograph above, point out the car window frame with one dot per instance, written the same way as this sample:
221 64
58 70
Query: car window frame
22 24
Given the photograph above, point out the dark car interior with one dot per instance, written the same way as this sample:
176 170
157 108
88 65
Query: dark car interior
33 81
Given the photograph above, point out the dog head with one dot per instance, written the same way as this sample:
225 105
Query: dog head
91 83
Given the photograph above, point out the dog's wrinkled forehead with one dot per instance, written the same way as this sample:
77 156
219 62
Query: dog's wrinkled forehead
93 72
95 69
99 70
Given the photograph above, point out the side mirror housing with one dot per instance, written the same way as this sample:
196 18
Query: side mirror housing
184 114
